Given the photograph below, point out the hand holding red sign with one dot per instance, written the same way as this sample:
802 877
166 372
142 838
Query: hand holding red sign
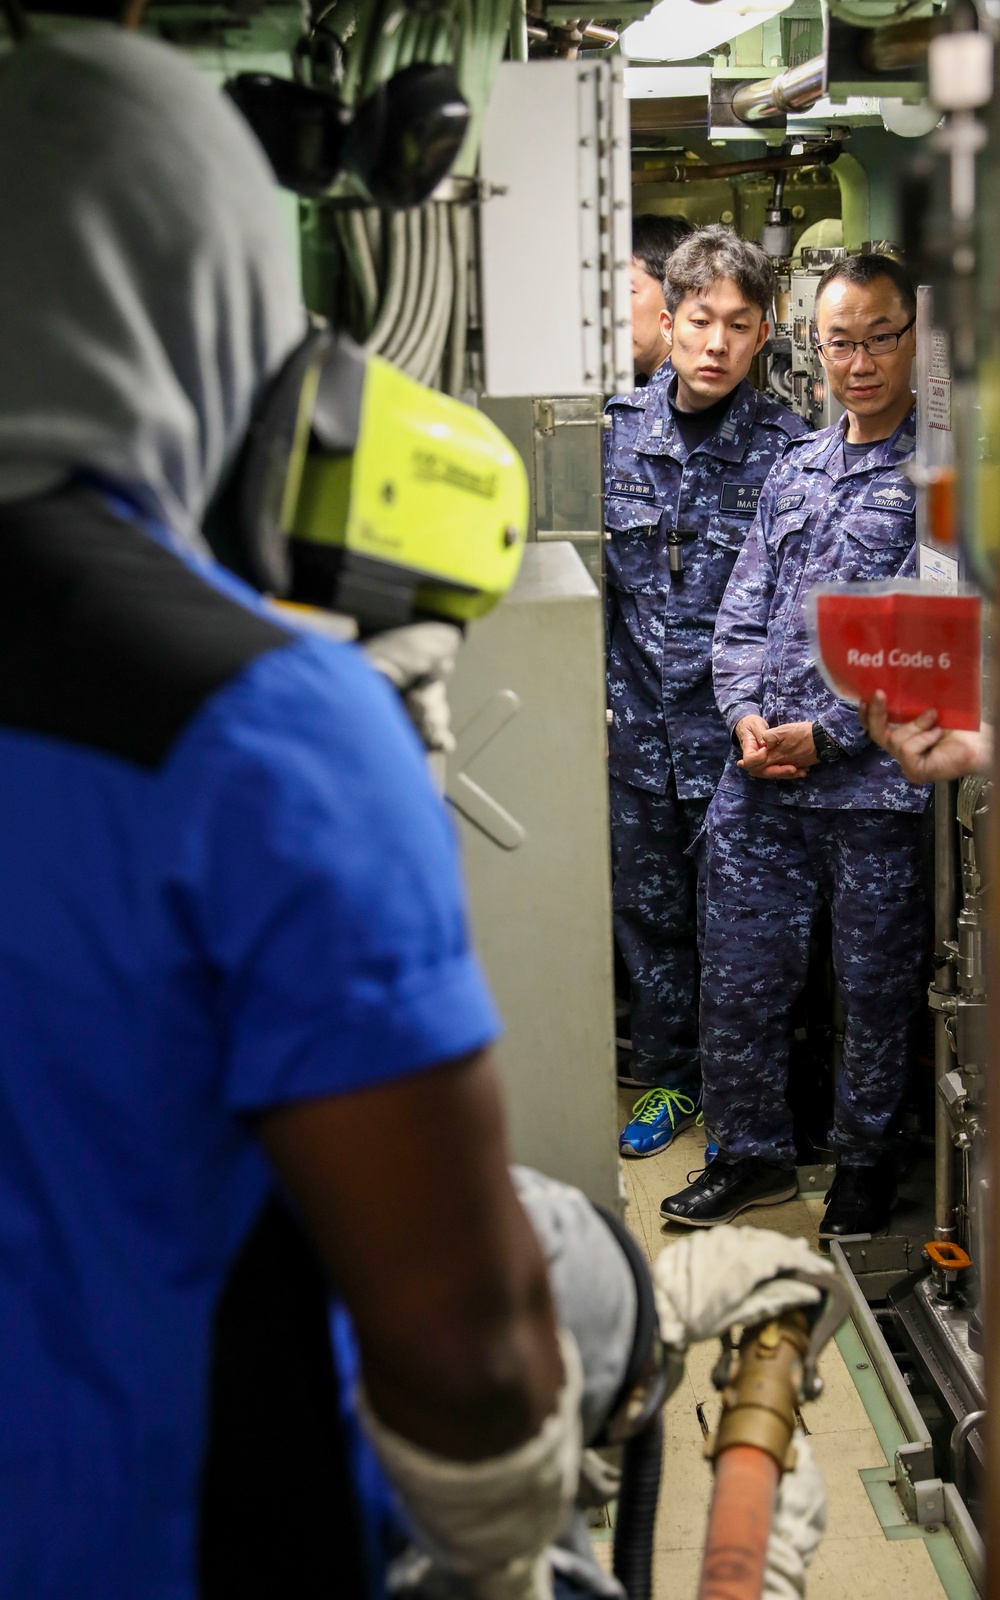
927 753
919 646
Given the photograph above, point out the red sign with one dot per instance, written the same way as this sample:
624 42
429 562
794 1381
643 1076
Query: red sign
922 650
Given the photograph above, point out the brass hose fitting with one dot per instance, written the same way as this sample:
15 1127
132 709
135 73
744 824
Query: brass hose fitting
762 1386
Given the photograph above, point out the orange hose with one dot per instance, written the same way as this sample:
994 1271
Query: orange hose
738 1525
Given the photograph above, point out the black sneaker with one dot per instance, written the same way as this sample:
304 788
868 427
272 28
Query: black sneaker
726 1188
860 1200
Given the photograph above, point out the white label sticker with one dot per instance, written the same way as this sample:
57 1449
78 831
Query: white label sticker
939 403
939 365
934 567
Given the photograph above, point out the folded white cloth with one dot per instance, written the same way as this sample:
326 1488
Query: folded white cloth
799 1524
708 1282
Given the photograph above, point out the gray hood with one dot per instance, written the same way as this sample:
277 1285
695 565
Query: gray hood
147 290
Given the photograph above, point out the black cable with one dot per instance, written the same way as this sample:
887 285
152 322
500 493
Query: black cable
635 1524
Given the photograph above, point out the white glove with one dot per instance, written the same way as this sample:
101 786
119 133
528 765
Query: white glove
707 1282
799 1524
418 660
488 1523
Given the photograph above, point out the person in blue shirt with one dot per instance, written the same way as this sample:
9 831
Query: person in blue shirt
814 808
684 464
654 239
240 1014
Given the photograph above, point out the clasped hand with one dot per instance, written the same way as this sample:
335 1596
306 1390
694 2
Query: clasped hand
784 752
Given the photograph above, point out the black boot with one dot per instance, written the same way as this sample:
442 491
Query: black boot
726 1188
860 1200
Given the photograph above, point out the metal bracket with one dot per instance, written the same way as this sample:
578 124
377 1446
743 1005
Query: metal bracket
546 422
921 1493
469 797
953 1092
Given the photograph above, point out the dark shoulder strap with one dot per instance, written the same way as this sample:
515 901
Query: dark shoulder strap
107 638
279 1519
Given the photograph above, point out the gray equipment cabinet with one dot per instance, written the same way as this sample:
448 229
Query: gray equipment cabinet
528 784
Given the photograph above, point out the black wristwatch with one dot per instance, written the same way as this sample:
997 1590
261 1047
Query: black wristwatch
827 749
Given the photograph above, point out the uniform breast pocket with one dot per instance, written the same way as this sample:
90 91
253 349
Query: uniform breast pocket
724 539
878 543
786 535
632 552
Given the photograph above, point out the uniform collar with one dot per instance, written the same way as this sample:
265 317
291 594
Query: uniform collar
660 435
647 393
827 450
661 375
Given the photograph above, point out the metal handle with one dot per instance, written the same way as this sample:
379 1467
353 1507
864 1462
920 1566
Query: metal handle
958 1445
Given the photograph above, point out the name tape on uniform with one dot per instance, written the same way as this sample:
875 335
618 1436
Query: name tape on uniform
788 502
632 488
740 498
917 644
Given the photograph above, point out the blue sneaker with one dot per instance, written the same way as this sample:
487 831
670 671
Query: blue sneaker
656 1117
711 1148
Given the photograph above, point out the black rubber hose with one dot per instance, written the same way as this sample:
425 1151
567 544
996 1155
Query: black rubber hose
635 1527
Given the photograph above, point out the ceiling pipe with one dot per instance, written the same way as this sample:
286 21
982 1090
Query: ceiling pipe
795 89
691 172
569 37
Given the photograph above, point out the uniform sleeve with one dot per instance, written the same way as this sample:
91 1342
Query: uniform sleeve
324 885
840 721
607 450
741 625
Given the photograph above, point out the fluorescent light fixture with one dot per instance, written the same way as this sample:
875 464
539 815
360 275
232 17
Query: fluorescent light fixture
667 83
678 30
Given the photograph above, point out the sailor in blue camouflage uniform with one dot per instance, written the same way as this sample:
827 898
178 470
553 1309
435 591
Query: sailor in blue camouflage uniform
654 240
814 809
684 466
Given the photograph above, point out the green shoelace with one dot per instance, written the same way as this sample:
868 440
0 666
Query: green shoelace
654 1102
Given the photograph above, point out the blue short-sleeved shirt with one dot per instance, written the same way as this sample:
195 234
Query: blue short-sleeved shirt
225 883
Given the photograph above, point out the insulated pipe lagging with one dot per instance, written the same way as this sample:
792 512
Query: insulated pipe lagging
739 1524
794 90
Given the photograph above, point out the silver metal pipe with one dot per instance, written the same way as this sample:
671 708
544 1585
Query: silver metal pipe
944 982
796 89
519 31
958 1447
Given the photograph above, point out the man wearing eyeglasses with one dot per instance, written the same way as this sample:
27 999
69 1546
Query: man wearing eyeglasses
812 810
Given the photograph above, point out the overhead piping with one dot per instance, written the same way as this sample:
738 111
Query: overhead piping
568 38
692 172
795 89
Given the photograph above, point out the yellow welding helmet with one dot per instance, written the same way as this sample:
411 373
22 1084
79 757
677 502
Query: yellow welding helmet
361 491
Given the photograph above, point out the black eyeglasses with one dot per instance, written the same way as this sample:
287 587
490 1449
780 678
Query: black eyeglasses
877 344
